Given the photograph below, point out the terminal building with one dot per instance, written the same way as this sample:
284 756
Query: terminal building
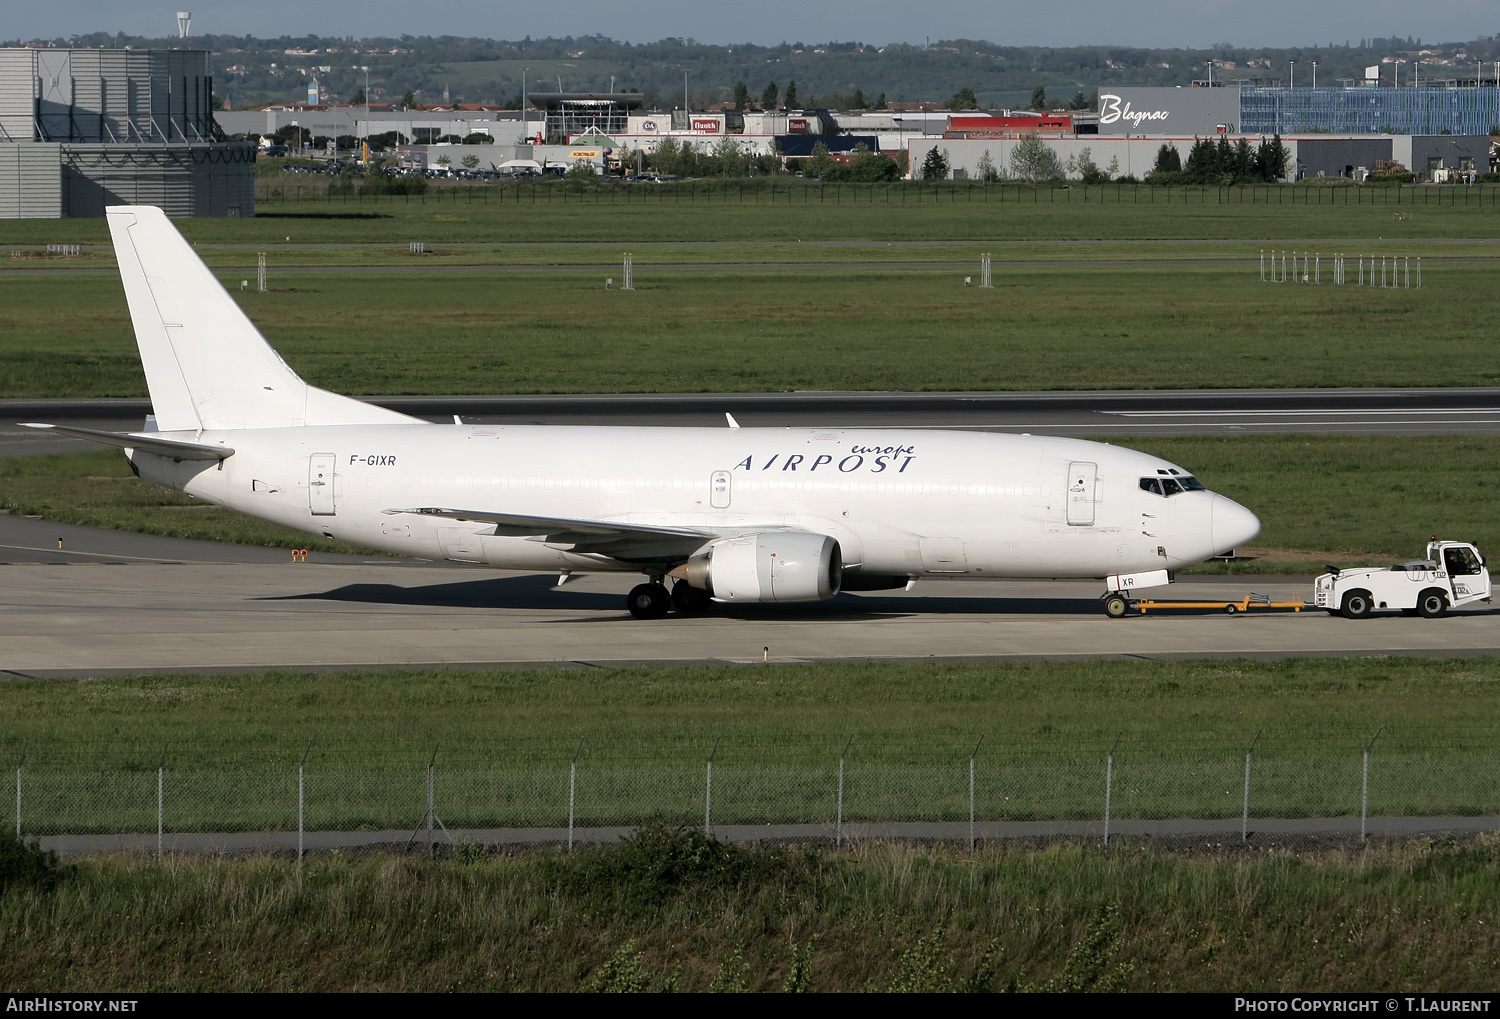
85 129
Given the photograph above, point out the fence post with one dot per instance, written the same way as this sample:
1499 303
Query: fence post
838 824
1245 817
161 770
572 792
1109 784
431 766
708 794
301 772
1364 792
971 790
20 765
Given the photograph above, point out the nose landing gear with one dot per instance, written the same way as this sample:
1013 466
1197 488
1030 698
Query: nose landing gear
1116 605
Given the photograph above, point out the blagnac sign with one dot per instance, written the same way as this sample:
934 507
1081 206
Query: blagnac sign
1112 108
1181 112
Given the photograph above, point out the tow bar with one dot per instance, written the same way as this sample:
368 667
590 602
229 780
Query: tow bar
1245 604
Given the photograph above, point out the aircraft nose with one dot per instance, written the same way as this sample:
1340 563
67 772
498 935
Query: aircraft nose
1233 525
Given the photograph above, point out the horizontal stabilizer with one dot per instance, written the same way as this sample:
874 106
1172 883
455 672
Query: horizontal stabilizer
177 449
559 528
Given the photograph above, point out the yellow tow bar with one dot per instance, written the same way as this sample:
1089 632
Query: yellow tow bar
1245 604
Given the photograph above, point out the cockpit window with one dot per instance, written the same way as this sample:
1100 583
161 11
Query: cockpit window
1172 486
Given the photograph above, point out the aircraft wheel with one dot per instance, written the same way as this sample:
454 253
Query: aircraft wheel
1433 604
690 600
1357 605
648 601
1116 605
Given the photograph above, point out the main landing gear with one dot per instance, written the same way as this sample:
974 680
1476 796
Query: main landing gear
652 600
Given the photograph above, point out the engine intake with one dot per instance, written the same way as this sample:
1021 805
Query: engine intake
771 566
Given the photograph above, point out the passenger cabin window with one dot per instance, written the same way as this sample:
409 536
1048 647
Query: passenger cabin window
1172 486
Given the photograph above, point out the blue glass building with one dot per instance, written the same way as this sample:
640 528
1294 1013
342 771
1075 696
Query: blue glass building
1420 110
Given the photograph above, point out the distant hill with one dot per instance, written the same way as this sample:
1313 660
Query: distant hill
250 71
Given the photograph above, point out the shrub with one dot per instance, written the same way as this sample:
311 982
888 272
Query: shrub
657 863
28 865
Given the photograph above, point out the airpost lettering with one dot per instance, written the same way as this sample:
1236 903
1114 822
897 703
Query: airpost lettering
874 459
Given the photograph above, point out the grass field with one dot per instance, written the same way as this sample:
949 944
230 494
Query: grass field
506 739
1340 499
679 915
752 330
833 288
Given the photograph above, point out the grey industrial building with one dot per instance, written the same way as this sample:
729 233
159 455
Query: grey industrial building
84 129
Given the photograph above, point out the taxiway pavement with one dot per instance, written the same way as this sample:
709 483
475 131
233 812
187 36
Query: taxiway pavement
113 603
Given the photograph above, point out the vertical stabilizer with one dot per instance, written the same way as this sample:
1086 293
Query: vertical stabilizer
207 366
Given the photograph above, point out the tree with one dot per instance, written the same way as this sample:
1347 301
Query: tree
479 138
986 167
859 101
470 161
791 96
963 99
1039 98
935 165
1086 169
1168 160
1080 101
582 171
872 168
1033 161
358 98
880 103
768 97
1271 159
741 96
409 100
821 164
443 160
731 159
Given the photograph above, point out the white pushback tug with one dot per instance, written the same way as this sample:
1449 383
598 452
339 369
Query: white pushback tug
1452 575
729 514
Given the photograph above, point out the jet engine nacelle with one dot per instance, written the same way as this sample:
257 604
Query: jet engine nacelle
769 566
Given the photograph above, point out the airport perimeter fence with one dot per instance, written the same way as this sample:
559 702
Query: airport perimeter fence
823 789
772 192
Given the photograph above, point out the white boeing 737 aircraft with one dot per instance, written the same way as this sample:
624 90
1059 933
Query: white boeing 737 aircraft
730 514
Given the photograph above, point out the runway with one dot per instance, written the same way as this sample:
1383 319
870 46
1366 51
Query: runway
129 604
1096 414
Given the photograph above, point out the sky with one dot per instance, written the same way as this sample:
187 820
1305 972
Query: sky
1162 23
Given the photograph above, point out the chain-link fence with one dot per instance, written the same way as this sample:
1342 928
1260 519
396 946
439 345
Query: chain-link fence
122 794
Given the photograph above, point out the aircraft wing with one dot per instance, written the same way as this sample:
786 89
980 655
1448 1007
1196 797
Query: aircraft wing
177 449
604 537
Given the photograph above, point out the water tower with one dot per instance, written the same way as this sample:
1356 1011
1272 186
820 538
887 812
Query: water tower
184 24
